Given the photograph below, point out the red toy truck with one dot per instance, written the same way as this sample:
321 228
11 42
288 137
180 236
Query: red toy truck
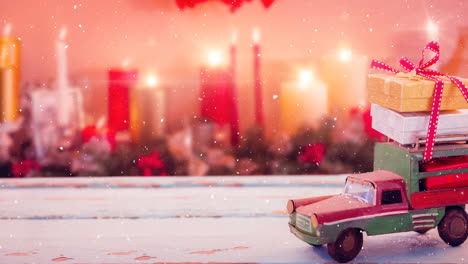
400 195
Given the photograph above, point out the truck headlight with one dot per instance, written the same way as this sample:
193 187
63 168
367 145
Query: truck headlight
313 220
290 207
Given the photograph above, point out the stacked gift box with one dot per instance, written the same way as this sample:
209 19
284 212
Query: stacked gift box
401 106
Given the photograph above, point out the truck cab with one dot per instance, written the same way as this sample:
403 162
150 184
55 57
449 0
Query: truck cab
400 195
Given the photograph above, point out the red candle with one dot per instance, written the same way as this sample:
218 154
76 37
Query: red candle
257 80
215 94
120 82
234 113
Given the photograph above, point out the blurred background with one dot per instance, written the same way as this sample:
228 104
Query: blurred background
204 87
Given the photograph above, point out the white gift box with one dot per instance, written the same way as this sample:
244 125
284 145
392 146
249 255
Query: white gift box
406 128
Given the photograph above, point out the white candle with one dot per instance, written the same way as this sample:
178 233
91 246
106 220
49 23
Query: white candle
62 79
148 110
257 79
346 76
303 102
160 123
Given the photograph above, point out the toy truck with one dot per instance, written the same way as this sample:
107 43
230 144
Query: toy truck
402 194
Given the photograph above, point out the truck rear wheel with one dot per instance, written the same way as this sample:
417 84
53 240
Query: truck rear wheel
347 246
453 229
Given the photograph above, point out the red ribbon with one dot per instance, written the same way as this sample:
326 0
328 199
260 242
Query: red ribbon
422 70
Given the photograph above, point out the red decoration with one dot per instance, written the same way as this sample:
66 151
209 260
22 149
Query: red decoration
119 94
313 153
235 4
148 163
422 70
22 168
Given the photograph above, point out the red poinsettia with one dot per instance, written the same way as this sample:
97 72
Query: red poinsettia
24 167
235 4
313 153
153 161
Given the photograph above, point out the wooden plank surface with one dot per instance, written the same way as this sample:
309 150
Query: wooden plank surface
157 220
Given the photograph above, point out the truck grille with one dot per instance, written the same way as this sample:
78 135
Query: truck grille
303 223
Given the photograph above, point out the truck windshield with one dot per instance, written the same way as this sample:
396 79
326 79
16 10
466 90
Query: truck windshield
360 190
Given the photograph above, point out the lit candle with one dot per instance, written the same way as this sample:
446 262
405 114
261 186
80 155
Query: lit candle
346 78
234 113
215 91
215 95
257 79
9 76
148 110
303 102
62 79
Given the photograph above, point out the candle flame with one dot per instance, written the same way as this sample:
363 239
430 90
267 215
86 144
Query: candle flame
234 36
214 58
152 81
100 124
432 29
256 35
62 33
126 62
345 55
7 29
305 78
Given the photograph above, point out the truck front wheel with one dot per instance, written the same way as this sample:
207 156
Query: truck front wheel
453 229
347 246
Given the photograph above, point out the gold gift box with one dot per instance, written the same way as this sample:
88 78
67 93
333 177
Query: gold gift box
412 93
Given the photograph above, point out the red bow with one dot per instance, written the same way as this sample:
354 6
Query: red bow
422 70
